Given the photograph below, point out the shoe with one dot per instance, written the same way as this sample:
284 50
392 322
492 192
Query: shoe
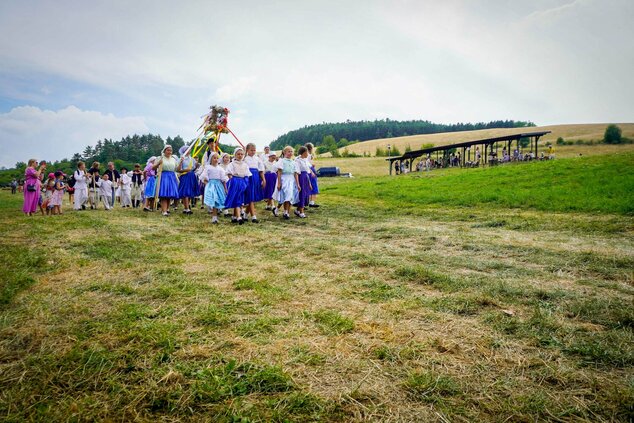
202 207
234 220
190 211
83 207
286 216
255 220
275 213
296 213
145 209
240 221
214 220
302 215
185 212
166 214
313 205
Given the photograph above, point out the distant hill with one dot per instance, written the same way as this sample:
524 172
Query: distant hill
573 132
340 134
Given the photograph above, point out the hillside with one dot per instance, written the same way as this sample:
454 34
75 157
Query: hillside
592 131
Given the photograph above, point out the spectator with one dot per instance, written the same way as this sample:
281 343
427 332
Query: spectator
33 186
14 186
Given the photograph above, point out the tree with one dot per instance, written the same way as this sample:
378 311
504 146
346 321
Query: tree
612 134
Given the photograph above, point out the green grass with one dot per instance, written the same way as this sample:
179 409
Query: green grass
600 184
418 304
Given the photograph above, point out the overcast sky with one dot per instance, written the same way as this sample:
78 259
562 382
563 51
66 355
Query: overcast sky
74 72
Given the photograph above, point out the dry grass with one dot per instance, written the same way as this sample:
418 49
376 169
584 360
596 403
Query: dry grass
586 132
358 314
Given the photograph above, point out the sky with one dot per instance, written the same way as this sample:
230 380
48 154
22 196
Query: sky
75 72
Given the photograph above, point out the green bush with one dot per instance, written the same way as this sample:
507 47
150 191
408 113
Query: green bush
613 135
560 141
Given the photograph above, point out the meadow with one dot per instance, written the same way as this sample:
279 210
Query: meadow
497 294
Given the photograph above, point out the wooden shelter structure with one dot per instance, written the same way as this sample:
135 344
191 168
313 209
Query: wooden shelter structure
487 145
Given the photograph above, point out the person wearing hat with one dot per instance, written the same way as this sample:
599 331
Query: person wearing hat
188 182
137 183
115 178
167 184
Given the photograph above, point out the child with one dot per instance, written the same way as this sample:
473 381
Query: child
225 159
137 183
105 190
167 184
257 183
94 188
49 189
270 176
238 172
215 188
286 192
188 183
305 188
150 184
58 194
313 177
126 188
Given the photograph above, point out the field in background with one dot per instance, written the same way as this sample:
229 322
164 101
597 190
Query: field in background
402 299
583 132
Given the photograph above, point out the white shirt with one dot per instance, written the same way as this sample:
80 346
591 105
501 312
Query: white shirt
238 168
126 181
80 179
270 167
287 166
105 187
302 165
214 172
254 162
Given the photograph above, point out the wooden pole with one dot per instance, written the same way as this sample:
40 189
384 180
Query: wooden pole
158 184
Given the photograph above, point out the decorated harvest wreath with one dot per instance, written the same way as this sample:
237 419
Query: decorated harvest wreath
215 123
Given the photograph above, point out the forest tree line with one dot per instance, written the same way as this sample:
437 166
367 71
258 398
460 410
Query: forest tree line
364 130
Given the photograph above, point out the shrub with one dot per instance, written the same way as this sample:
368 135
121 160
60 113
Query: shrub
560 141
613 134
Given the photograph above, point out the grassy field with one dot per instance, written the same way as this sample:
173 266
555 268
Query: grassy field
400 299
585 132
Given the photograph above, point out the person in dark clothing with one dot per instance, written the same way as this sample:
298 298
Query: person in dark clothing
114 176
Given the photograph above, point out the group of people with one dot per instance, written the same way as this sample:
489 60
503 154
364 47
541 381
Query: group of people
231 185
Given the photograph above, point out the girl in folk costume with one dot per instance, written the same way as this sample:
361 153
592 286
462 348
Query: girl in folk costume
212 147
150 184
168 184
305 188
81 187
257 183
188 183
32 187
270 176
225 159
238 172
126 188
58 193
137 184
215 178
49 189
105 190
286 191
313 176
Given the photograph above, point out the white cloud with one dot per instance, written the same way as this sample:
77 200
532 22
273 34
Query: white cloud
235 90
30 132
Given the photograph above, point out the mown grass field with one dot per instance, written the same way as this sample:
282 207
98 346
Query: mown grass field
499 294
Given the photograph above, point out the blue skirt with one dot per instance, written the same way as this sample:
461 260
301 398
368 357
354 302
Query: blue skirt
254 191
215 194
150 187
168 187
188 186
237 188
313 182
271 184
304 193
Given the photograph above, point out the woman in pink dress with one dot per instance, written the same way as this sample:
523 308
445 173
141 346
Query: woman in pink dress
32 187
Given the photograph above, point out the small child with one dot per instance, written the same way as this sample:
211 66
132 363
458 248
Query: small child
270 176
257 183
105 190
305 187
238 172
215 188
126 188
150 184
287 189
56 199
49 189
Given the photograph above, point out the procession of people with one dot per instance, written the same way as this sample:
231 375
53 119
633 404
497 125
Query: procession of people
222 184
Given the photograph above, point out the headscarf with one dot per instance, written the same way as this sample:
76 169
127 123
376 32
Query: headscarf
236 152
165 148
182 150
150 160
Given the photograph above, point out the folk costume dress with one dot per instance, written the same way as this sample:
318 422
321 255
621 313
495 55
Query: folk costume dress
188 183
254 191
58 194
150 180
215 195
288 191
303 168
270 176
313 176
240 174
168 184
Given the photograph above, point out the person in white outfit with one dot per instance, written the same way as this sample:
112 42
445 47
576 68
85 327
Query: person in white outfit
81 187
126 188
105 190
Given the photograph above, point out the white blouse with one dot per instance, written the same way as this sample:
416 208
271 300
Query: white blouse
270 167
254 162
238 168
126 180
287 166
214 172
302 165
